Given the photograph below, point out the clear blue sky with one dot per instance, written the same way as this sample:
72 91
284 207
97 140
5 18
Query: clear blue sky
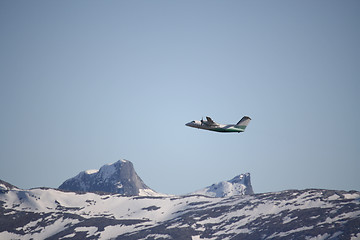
85 83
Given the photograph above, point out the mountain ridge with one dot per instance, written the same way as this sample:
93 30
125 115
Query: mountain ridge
225 210
120 177
309 214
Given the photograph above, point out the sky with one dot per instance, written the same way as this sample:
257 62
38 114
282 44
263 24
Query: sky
86 83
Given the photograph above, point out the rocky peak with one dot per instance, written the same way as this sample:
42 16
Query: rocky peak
119 177
239 185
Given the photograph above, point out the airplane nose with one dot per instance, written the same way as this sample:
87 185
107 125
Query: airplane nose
188 124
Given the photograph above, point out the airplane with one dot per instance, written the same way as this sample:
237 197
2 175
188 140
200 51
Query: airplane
209 124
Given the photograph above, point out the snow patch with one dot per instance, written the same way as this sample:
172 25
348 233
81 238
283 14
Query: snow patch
197 237
355 236
288 219
71 235
158 236
351 196
91 171
3 187
91 230
9 235
58 226
334 197
284 234
150 192
318 237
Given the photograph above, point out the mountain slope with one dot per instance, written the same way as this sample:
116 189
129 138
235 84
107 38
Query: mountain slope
5 186
119 177
53 214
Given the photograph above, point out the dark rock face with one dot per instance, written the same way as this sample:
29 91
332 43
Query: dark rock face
119 177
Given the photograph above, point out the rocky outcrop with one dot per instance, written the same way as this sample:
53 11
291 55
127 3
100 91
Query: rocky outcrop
119 177
239 185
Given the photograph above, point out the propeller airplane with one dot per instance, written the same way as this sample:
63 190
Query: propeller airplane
210 125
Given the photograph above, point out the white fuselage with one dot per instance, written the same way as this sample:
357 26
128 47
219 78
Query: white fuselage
215 127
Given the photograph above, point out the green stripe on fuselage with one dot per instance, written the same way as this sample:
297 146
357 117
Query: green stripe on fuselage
228 129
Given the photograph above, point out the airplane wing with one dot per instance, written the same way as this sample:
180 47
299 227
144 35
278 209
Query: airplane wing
211 122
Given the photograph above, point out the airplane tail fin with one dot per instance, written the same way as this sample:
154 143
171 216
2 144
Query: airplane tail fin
243 122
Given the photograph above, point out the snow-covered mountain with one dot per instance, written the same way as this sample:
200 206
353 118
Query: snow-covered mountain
239 185
119 177
53 214
226 210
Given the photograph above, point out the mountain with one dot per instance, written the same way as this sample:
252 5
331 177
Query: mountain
311 214
130 210
239 185
119 177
